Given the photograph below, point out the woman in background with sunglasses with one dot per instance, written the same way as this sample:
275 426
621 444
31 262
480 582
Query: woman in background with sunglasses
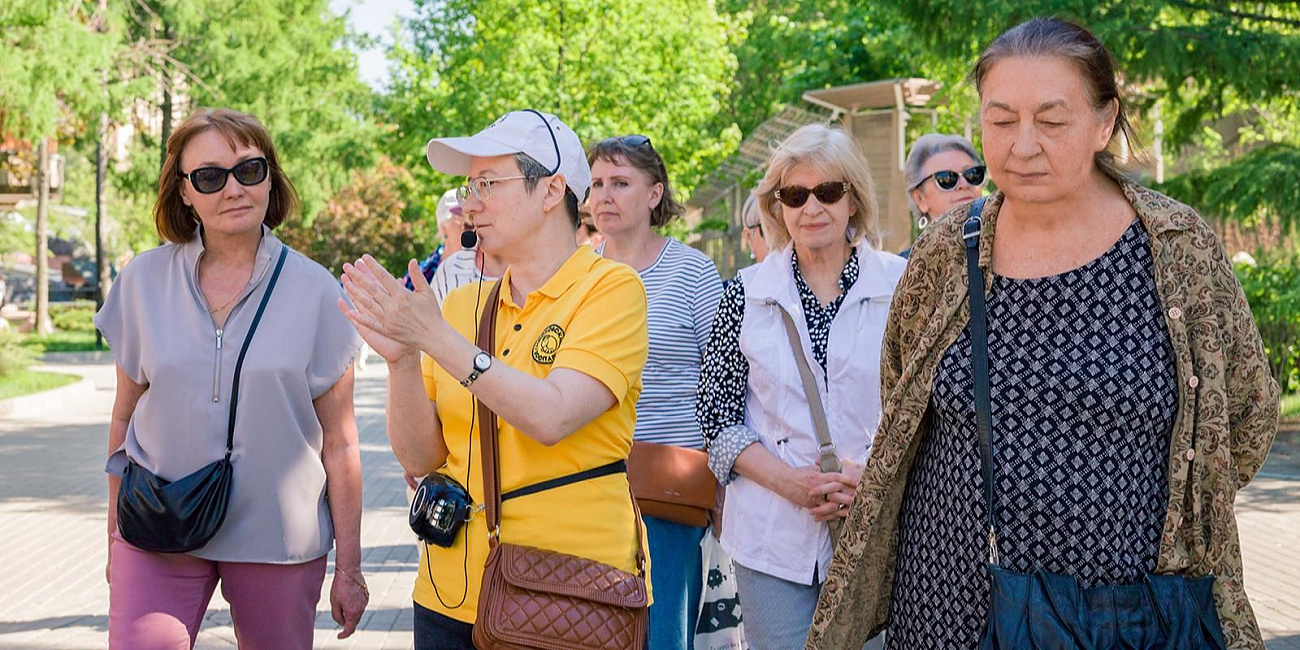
176 320
630 198
819 213
942 171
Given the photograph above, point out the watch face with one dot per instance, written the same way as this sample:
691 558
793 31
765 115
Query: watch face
482 361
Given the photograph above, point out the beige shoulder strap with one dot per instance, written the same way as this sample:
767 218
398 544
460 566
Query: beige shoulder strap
828 460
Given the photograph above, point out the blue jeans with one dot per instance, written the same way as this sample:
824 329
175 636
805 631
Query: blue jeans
434 631
676 576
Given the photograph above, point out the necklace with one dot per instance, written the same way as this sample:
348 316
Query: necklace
227 305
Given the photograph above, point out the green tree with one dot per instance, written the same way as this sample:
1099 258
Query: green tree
1212 68
286 62
657 67
45 88
371 214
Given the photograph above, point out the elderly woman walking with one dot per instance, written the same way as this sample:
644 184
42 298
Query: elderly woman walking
1092 446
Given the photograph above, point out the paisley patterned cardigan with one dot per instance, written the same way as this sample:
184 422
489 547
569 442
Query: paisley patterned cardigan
1226 421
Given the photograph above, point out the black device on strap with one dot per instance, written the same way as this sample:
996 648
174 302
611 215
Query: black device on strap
154 514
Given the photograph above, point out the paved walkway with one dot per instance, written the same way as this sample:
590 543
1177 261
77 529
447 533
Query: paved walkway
52 491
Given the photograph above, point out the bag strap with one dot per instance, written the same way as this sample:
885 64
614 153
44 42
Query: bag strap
829 461
488 434
979 358
239 365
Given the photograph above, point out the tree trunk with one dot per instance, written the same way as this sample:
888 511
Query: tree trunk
169 34
43 325
102 274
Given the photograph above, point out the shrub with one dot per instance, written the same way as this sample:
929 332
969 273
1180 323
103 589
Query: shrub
74 319
14 357
1272 287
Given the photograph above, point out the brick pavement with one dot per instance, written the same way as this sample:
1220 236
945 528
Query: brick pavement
52 490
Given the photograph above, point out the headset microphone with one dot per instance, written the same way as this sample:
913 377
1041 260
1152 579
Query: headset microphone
468 238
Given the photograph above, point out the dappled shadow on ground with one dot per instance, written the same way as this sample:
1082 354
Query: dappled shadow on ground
59 468
99 623
1269 495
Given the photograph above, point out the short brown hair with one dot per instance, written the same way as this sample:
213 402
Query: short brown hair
175 220
643 156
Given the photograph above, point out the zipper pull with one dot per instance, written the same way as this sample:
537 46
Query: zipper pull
218 339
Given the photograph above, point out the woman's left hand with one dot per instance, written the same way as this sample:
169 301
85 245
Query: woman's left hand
348 600
838 495
383 304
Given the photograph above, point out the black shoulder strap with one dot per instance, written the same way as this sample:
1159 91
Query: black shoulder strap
239 365
979 357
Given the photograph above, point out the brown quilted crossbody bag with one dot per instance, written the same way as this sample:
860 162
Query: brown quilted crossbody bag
533 598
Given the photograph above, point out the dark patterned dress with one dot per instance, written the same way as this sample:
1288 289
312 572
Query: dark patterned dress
1083 399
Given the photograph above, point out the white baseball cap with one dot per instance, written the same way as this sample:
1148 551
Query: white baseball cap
448 206
542 136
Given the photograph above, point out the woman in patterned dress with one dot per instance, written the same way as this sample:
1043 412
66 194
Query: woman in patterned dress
1130 397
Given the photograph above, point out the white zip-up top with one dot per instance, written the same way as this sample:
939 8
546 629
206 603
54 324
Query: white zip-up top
762 530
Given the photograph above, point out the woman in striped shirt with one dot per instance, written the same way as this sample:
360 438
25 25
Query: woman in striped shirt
630 197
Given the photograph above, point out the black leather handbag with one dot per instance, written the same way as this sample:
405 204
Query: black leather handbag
161 516
1045 610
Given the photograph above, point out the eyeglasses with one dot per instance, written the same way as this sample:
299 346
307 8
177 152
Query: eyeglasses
482 187
947 179
794 196
210 180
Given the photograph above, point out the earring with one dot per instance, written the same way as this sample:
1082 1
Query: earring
923 221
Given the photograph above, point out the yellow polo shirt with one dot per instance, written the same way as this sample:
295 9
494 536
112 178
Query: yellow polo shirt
590 317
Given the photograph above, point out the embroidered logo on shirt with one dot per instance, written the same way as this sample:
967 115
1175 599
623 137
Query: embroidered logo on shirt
548 344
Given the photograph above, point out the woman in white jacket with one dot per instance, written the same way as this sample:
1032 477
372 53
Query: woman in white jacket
818 209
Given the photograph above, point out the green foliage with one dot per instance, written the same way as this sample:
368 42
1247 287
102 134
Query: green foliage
1272 287
1259 186
285 62
61 341
73 317
43 86
14 357
658 67
370 214
24 382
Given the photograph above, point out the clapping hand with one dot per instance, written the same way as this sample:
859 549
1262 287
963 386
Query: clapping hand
395 322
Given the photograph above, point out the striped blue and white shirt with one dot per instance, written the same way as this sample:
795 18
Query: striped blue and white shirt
682 288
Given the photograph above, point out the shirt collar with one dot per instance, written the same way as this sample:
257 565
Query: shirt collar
267 248
573 269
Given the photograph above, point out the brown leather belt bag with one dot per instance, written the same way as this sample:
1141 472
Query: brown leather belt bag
533 598
672 483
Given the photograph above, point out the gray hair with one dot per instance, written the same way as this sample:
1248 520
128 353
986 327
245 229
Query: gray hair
925 148
534 172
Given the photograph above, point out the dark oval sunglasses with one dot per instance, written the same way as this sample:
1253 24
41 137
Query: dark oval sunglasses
947 179
795 196
210 180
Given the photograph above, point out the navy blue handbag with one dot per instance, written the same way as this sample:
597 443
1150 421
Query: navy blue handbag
1045 610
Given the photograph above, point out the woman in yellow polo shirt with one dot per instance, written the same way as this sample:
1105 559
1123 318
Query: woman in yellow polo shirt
571 340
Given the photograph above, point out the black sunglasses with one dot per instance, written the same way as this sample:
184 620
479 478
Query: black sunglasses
795 196
947 180
634 141
210 180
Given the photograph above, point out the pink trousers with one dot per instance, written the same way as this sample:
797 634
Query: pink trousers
157 600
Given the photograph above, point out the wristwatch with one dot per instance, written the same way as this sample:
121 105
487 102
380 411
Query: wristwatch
482 361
